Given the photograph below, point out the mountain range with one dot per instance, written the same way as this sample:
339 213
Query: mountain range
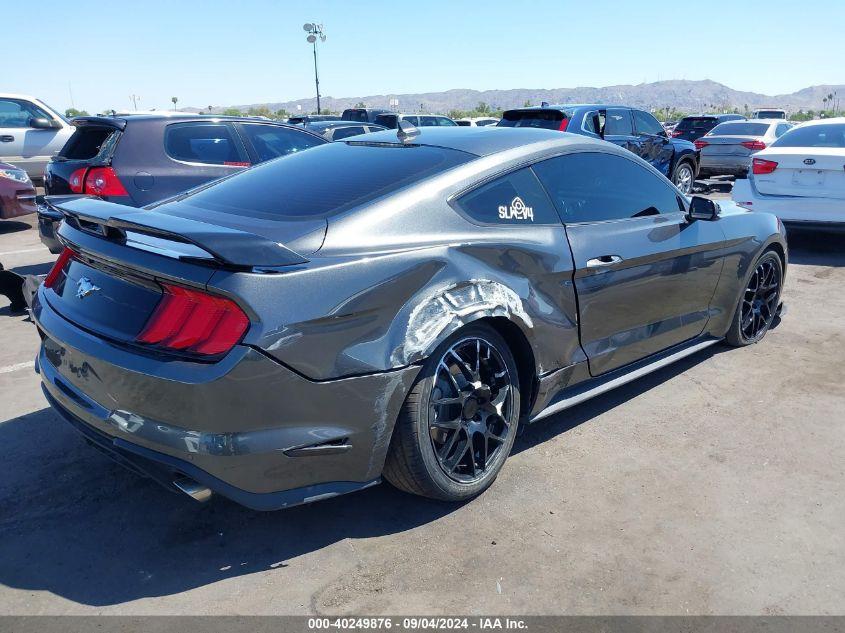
684 95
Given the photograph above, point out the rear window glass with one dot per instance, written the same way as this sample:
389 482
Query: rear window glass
89 142
831 135
210 143
354 115
696 123
740 129
770 114
325 180
546 119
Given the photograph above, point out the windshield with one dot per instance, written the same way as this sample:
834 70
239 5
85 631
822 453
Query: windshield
830 135
324 180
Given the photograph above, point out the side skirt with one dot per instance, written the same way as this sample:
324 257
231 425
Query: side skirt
592 388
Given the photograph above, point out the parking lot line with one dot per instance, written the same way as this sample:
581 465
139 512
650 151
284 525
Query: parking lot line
25 250
8 369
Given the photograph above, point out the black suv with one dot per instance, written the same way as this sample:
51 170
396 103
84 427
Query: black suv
692 128
362 115
140 159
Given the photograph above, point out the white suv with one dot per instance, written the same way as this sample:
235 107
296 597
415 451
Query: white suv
30 133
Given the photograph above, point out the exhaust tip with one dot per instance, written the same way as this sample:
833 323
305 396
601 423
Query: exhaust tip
195 490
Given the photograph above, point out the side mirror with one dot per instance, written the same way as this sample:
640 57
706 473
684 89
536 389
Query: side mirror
40 123
703 209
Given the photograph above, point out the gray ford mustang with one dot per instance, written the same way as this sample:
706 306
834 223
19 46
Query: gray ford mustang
391 306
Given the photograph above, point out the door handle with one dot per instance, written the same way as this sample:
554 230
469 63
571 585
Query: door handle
7 138
604 260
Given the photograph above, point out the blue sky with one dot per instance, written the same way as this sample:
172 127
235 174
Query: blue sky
219 53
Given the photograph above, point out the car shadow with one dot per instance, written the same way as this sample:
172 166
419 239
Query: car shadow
81 527
816 248
13 226
77 525
34 269
566 420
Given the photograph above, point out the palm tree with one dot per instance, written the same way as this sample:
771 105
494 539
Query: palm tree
174 100
824 101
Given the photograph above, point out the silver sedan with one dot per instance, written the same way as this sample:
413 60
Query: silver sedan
726 149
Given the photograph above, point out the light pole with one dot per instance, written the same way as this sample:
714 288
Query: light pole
315 31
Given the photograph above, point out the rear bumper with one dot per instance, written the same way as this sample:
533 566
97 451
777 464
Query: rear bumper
817 213
246 427
724 165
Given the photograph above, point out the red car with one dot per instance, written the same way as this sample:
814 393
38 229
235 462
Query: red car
17 195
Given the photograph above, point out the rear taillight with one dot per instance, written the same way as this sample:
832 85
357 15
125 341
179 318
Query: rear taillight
77 180
194 321
755 145
762 166
58 268
102 181
676 133
564 124
699 144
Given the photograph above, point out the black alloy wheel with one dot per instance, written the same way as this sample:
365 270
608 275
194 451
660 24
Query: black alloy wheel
471 402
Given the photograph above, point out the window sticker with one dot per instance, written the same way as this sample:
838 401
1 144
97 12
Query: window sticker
517 211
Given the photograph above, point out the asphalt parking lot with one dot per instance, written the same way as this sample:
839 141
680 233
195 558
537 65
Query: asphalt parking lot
711 487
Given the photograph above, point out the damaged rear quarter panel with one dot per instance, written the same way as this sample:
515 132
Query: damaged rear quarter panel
393 280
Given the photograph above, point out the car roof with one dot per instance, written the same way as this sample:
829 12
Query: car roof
180 116
836 120
480 141
570 106
324 125
740 121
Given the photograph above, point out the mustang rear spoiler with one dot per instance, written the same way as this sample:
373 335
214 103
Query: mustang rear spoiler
128 225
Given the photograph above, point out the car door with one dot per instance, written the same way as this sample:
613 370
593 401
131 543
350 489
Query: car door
619 129
644 275
654 145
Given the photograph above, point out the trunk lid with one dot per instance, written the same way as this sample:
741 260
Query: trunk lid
121 263
817 172
728 145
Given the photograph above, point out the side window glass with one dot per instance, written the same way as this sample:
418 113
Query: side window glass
594 187
270 141
346 132
646 123
15 113
516 199
428 121
781 129
209 143
618 122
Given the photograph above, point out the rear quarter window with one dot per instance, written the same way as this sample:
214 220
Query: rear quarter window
208 143
517 199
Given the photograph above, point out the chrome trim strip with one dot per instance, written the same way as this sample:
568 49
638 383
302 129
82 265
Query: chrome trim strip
165 247
621 380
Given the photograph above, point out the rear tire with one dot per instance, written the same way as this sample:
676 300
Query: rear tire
758 304
459 421
684 177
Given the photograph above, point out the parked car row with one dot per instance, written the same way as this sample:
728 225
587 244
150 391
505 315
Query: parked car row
635 130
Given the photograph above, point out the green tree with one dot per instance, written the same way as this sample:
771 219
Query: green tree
232 112
263 111
360 104
282 114
527 103
174 100
72 112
